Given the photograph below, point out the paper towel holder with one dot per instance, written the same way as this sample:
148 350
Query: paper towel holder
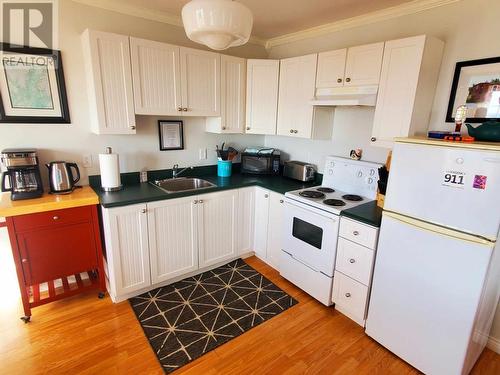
115 188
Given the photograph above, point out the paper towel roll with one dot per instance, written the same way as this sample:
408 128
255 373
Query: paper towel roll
110 172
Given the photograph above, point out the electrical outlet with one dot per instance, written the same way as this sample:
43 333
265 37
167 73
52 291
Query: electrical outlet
203 153
87 161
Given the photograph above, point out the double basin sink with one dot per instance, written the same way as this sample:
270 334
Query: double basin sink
181 184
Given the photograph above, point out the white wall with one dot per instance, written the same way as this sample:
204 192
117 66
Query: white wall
71 142
470 29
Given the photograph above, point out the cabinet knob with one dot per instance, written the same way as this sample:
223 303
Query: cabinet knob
373 139
339 80
144 210
55 217
356 233
132 127
348 80
200 201
295 131
185 109
348 295
223 128
179 109
282 201
266 195
24 260
195 201
291 131
248 127
352 260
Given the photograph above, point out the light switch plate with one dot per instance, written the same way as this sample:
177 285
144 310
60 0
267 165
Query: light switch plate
203 153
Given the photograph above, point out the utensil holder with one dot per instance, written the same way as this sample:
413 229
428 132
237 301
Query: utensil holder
224 168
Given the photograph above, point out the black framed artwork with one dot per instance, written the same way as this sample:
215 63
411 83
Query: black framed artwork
171 135
476 84
32 87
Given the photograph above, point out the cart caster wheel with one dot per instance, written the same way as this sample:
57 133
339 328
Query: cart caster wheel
101 295
26 319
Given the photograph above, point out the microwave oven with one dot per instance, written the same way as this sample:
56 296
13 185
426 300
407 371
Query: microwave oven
261 162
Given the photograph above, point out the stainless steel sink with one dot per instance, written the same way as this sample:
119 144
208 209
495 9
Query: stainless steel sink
175 185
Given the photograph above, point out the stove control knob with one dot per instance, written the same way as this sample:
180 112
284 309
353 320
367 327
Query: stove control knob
330 172
372 172
332 164
360 174
370 180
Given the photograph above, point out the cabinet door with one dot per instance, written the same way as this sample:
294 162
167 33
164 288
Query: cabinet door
156 76
126 234
363 64
261 222
217 226
397 90
173 238
200 77
262 96
275 232
331 68
246 209
296 90
109 80
53 252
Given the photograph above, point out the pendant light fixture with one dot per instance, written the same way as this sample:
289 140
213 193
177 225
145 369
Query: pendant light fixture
218 24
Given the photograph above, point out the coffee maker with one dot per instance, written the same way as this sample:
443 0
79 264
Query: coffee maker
22 172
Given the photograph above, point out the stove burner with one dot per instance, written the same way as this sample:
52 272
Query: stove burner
352 197
325 190
334 202
311 194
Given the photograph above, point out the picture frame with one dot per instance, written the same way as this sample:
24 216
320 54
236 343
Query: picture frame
32 86
476 84
171 135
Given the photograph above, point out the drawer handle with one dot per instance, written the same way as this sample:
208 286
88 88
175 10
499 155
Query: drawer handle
356 233
352 260
281 200
348 295
266 195
55 217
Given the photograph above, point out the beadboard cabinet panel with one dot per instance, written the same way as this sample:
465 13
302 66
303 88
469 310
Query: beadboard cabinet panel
156 77
331 68
363 64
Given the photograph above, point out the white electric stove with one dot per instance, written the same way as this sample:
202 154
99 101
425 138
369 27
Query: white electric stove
312 223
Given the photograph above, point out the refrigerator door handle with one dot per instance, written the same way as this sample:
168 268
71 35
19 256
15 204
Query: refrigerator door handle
440 230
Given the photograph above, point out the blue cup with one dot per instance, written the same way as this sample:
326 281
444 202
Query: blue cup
224 168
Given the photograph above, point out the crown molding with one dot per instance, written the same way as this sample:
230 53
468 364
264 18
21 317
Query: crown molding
404 9
412 7
142 12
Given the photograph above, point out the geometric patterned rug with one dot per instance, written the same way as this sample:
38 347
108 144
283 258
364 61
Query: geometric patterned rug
191 317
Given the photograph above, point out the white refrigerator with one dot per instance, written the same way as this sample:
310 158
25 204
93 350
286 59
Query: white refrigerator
436 280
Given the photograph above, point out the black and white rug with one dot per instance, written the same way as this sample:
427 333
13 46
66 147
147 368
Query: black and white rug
185 320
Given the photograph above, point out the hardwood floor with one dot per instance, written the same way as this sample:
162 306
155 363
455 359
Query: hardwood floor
85 335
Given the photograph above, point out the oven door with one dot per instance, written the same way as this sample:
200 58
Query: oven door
311 236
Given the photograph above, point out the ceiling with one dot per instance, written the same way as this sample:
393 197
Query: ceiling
274 18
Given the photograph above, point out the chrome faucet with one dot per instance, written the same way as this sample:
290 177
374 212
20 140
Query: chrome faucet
176 172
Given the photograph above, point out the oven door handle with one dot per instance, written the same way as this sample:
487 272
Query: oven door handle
302 262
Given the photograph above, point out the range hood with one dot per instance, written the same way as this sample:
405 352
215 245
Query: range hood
346 96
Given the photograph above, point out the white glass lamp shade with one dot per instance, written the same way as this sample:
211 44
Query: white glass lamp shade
218 24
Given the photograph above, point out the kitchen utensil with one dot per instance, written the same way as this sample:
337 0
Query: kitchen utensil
61 178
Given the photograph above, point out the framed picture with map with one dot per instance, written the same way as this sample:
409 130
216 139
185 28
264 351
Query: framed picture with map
32 88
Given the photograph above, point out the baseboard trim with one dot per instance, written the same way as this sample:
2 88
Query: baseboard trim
493 344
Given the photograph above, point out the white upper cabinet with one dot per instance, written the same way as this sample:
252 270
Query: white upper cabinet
173 238
407 84
363 64
109 82
217 226
262 96
200 77
296 90
331 68
156 76
233 89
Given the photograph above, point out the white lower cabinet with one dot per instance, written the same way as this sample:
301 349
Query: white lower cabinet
268 226
246 220
217 227
173 238
126 239
353 268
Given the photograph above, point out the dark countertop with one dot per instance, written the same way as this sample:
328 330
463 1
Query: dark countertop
368 213
134 192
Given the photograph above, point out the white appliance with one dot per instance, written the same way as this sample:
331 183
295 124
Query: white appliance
346 96
312 223
436 279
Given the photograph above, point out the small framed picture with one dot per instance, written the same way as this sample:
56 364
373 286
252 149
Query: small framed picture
476 84
32 87
171 135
